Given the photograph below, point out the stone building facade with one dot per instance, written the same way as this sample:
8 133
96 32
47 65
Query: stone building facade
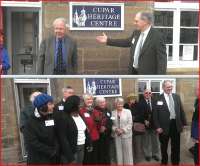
31 21
35 19
12 105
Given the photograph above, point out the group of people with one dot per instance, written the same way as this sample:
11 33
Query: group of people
58 53
65 133
78 132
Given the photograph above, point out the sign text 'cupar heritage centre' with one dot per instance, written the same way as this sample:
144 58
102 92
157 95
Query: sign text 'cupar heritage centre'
96 16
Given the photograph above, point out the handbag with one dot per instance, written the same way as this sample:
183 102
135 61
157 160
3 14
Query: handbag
138 128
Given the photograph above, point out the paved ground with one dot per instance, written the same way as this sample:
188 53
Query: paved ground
186 156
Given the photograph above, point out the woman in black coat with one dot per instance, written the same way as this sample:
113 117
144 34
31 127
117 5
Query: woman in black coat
39 133
71 131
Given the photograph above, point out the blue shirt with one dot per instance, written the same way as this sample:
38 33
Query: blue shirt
4 58
64 56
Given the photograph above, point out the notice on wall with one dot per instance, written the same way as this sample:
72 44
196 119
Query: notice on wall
96 16
105 87
188 52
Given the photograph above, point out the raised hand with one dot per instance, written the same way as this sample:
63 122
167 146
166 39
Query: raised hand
102 39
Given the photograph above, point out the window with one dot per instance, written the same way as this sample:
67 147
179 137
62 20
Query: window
178 21
188 35
154 84
164 22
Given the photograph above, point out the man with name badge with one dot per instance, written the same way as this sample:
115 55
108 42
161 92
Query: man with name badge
67 91
147 47
169 120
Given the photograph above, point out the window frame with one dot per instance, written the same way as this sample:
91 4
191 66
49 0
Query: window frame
177 7
148 81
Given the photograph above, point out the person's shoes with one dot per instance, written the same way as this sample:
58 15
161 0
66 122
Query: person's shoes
156 158
148 158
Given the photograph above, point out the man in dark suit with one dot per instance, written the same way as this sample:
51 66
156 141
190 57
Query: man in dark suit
147 47
150 138
67 92
169 120
58 53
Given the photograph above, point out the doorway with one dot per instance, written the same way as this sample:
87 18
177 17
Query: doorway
24 41
22 33
23 89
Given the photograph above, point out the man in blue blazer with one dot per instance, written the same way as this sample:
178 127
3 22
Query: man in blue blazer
169 120
58 53
147 47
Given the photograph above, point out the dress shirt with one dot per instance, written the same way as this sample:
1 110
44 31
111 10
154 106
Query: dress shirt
139 45
172 113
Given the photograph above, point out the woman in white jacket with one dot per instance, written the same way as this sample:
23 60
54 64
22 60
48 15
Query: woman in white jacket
122 129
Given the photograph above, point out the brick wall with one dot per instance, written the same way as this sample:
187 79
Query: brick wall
186 90
95 58
9 127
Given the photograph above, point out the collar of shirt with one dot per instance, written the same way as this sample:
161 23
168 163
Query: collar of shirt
167 98
63 51
148 101
57 40
145 34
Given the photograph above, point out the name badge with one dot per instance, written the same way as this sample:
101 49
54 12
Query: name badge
112 118
86 115
60 107
133 41
108 114
49 122
159 102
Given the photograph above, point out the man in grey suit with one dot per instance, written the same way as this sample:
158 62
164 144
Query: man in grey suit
169 120
58 53
147 47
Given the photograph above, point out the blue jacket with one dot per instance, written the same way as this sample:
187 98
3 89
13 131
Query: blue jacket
195 120
194 130
4 57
